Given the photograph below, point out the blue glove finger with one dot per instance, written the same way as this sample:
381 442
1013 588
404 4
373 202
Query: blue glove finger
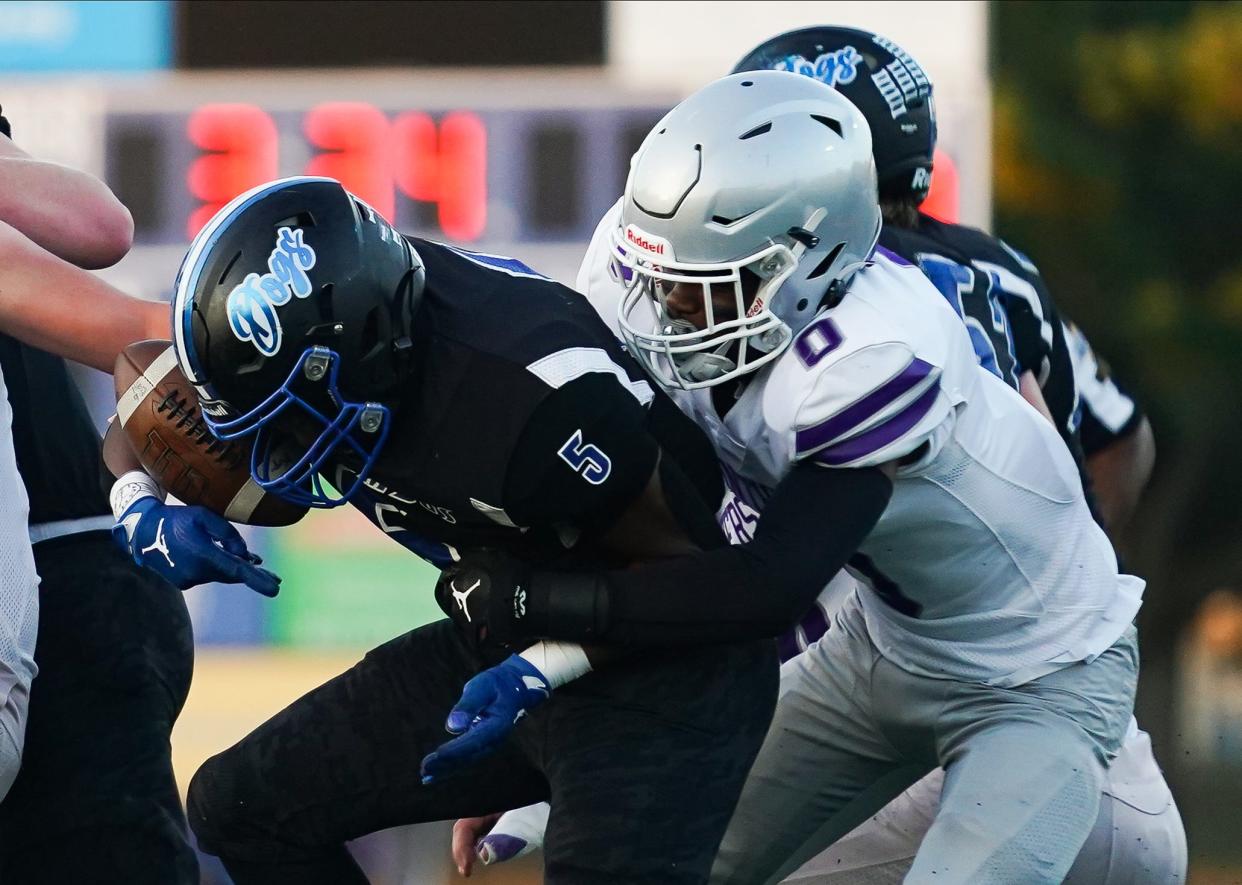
260 580
477 695
221 530
481 739
231 569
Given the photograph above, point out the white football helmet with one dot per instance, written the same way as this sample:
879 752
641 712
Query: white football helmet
767 172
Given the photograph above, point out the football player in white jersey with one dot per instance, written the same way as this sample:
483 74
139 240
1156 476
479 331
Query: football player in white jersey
994 633
956 516
1137 837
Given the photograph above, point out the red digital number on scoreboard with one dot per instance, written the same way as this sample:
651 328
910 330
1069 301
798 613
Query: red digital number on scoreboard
372 156
447 167
240 141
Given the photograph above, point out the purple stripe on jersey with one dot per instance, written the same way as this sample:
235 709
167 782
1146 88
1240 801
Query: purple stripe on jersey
878 437
893 256
812 438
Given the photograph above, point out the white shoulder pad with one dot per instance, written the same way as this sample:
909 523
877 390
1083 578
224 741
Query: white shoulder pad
598 276
875 377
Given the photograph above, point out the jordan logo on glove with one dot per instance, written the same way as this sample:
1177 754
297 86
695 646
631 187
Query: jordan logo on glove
160 544
462 595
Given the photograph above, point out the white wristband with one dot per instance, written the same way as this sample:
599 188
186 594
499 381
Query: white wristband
559 662
129 488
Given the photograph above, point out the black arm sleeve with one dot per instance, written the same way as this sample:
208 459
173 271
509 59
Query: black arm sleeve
813 523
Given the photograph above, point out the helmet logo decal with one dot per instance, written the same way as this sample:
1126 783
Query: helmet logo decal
252 304
901 80
649 243
838 67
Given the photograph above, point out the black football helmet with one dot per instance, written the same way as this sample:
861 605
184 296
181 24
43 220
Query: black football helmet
291 316
882 81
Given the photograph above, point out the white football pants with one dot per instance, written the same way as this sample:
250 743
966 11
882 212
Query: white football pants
1024 766
1138 837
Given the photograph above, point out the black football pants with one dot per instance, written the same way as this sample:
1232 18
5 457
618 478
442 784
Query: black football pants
95 800
643 763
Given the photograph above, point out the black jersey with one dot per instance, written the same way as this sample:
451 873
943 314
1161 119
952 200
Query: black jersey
1000 295
55 440
1110 412
523 424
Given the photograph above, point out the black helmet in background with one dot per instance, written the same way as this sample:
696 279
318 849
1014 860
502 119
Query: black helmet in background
881 80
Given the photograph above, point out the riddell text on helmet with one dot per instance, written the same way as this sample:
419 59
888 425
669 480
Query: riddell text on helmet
648 242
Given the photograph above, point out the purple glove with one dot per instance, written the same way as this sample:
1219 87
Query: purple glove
516 834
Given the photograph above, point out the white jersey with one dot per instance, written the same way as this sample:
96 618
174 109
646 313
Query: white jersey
19 601
987 564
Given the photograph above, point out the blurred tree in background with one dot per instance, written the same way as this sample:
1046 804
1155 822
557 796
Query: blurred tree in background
1118 168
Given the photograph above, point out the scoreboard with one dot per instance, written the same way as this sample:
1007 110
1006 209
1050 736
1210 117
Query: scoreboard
507 174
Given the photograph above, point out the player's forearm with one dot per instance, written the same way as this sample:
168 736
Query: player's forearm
50 304
813 523
70 213
1119 473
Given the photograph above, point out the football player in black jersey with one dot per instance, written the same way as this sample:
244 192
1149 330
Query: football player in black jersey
459 400
95 799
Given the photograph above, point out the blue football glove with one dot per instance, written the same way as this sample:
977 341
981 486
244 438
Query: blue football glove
190 546
491 704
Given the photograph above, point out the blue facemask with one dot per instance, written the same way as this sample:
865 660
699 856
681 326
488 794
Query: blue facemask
278 467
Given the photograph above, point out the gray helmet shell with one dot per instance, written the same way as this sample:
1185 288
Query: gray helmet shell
766 171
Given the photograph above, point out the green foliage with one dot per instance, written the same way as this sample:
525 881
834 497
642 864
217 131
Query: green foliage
1118 167
1119 135
1118 164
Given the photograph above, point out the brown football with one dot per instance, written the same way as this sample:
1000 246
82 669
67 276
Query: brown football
157 408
